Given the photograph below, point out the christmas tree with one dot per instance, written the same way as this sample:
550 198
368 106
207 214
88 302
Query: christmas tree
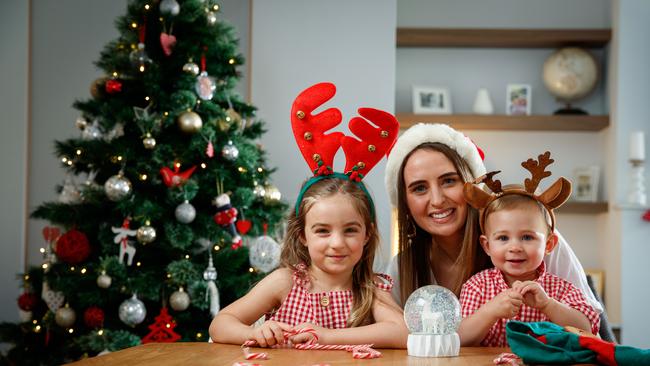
166 184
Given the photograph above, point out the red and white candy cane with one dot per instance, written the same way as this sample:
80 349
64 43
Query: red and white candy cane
359 351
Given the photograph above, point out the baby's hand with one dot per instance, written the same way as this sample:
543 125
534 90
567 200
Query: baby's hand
533 294
308 336
270 333
506 304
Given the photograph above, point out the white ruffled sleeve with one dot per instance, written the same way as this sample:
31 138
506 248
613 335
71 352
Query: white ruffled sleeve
563 263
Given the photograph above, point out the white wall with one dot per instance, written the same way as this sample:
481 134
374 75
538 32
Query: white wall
14 51
297 43
630 113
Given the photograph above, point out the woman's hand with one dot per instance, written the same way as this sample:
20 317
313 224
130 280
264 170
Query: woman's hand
308 336
506 304
270 333
533 294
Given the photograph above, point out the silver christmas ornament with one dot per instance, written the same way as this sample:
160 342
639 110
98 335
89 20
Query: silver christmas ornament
81 123
230 152
132 311
170 7
189 122
91 132
259 191
205 86
191 68
264 254
146 234
117 187
65 317
149 142
69 193
185 212
179 300
104 280
211 18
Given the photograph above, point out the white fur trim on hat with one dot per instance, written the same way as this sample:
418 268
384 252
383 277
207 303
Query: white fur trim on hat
425 132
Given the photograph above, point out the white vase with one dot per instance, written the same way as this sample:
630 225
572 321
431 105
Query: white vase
482 102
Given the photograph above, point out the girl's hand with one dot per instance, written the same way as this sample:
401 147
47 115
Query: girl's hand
533 294
506 304
270 333
307 336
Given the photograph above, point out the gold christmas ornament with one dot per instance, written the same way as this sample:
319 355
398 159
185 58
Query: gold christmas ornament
96 87
190 122
149 142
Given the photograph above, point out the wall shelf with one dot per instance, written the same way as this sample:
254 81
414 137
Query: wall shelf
502 38
512 123
575 207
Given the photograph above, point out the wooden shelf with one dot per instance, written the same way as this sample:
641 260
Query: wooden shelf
575 207
512 123
502 38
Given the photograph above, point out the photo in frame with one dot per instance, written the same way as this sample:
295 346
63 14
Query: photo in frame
585 184
431 100
518 99
598 280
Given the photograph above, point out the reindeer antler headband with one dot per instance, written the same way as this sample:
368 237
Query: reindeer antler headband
552 198
318 148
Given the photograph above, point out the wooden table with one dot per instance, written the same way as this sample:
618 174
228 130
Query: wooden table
162 354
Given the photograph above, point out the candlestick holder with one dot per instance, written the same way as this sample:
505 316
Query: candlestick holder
637 195
432 315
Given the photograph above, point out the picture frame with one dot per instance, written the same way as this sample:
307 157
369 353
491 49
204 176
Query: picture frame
585 184
431 100
518 99
598 280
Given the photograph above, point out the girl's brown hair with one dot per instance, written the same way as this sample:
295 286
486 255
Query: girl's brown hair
294 252
417 248
515 201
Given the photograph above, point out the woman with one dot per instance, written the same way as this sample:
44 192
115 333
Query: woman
438 230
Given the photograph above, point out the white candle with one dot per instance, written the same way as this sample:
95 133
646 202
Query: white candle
637 146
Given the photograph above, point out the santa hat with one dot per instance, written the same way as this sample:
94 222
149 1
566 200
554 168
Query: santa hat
422 133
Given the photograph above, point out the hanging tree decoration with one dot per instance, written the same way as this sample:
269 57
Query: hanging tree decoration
146 233
229 151
94 317
92 132
179 300
73 247
117 187
113 86
139 57
132 311
162 330
175 178
148 123
167 40
51 234
104 280
264 252
65 316
122 239
211 293
205 85
169 7
226 216
191 68
209 148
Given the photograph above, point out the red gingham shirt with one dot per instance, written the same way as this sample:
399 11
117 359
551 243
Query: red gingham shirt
485 285
301 306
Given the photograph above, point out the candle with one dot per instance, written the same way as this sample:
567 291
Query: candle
637 146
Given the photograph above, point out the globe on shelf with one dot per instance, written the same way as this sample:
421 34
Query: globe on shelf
570 74
432 315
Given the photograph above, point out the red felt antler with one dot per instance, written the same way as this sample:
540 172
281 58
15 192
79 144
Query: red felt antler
376 141
317 148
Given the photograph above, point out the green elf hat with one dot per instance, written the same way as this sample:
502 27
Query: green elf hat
375 131
549 343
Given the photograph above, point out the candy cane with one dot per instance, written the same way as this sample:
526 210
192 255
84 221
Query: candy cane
359 351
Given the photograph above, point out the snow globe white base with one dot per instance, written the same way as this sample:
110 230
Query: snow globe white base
433 345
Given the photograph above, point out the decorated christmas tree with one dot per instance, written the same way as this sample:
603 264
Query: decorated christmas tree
165 214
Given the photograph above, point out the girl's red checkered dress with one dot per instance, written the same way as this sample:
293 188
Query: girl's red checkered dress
485 285
302 306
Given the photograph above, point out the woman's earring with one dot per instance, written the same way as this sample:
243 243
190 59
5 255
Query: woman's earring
411 229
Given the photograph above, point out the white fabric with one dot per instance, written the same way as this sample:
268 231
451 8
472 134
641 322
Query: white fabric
426 132
562 262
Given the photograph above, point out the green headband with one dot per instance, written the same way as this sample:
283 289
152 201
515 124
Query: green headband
318 178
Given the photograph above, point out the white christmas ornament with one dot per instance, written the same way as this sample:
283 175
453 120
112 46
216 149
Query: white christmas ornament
104 280
69 193
212 293
132 311
91 132
122 238
179 300
65 317
264 254
53 299
170 7
185 212
432 315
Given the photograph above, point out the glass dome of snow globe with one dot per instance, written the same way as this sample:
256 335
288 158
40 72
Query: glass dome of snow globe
432 315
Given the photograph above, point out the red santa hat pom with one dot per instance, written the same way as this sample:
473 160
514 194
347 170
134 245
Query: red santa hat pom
72 247
27 301
94 317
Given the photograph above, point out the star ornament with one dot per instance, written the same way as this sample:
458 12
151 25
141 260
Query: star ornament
175 178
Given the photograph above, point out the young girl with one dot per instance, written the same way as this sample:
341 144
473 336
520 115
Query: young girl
326 281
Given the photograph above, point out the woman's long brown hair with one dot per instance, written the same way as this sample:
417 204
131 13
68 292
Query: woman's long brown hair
294 252
417 258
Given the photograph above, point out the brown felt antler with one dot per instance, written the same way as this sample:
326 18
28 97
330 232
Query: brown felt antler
537 169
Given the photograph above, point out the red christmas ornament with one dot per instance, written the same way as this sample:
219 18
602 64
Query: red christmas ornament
94 317
72 247
113 86
175 178
646 216
27 301
163 329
